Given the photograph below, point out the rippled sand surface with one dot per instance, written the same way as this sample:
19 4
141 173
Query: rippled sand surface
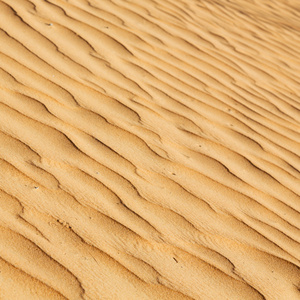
149 149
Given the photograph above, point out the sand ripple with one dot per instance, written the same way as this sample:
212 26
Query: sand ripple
149 149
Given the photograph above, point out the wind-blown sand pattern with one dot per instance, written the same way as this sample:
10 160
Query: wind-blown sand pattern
149 149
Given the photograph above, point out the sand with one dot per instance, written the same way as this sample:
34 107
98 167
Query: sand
149 149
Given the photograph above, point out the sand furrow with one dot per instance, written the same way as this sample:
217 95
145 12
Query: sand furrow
149 149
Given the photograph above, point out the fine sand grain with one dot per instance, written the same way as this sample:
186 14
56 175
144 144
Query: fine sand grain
149 149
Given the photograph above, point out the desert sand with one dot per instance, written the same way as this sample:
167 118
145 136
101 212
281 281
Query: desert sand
149 149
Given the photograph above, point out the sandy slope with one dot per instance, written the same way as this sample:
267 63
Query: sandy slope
149 149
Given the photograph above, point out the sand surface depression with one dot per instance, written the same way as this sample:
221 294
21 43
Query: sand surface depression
149 149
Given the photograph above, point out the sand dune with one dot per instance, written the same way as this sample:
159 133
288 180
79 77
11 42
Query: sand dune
149 149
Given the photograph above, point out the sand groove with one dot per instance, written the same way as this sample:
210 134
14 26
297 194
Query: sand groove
149 149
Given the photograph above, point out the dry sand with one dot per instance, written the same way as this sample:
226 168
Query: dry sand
149 149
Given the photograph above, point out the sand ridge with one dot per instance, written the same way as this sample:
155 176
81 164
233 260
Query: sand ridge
149 149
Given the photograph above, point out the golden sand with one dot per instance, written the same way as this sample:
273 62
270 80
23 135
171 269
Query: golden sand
149 149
